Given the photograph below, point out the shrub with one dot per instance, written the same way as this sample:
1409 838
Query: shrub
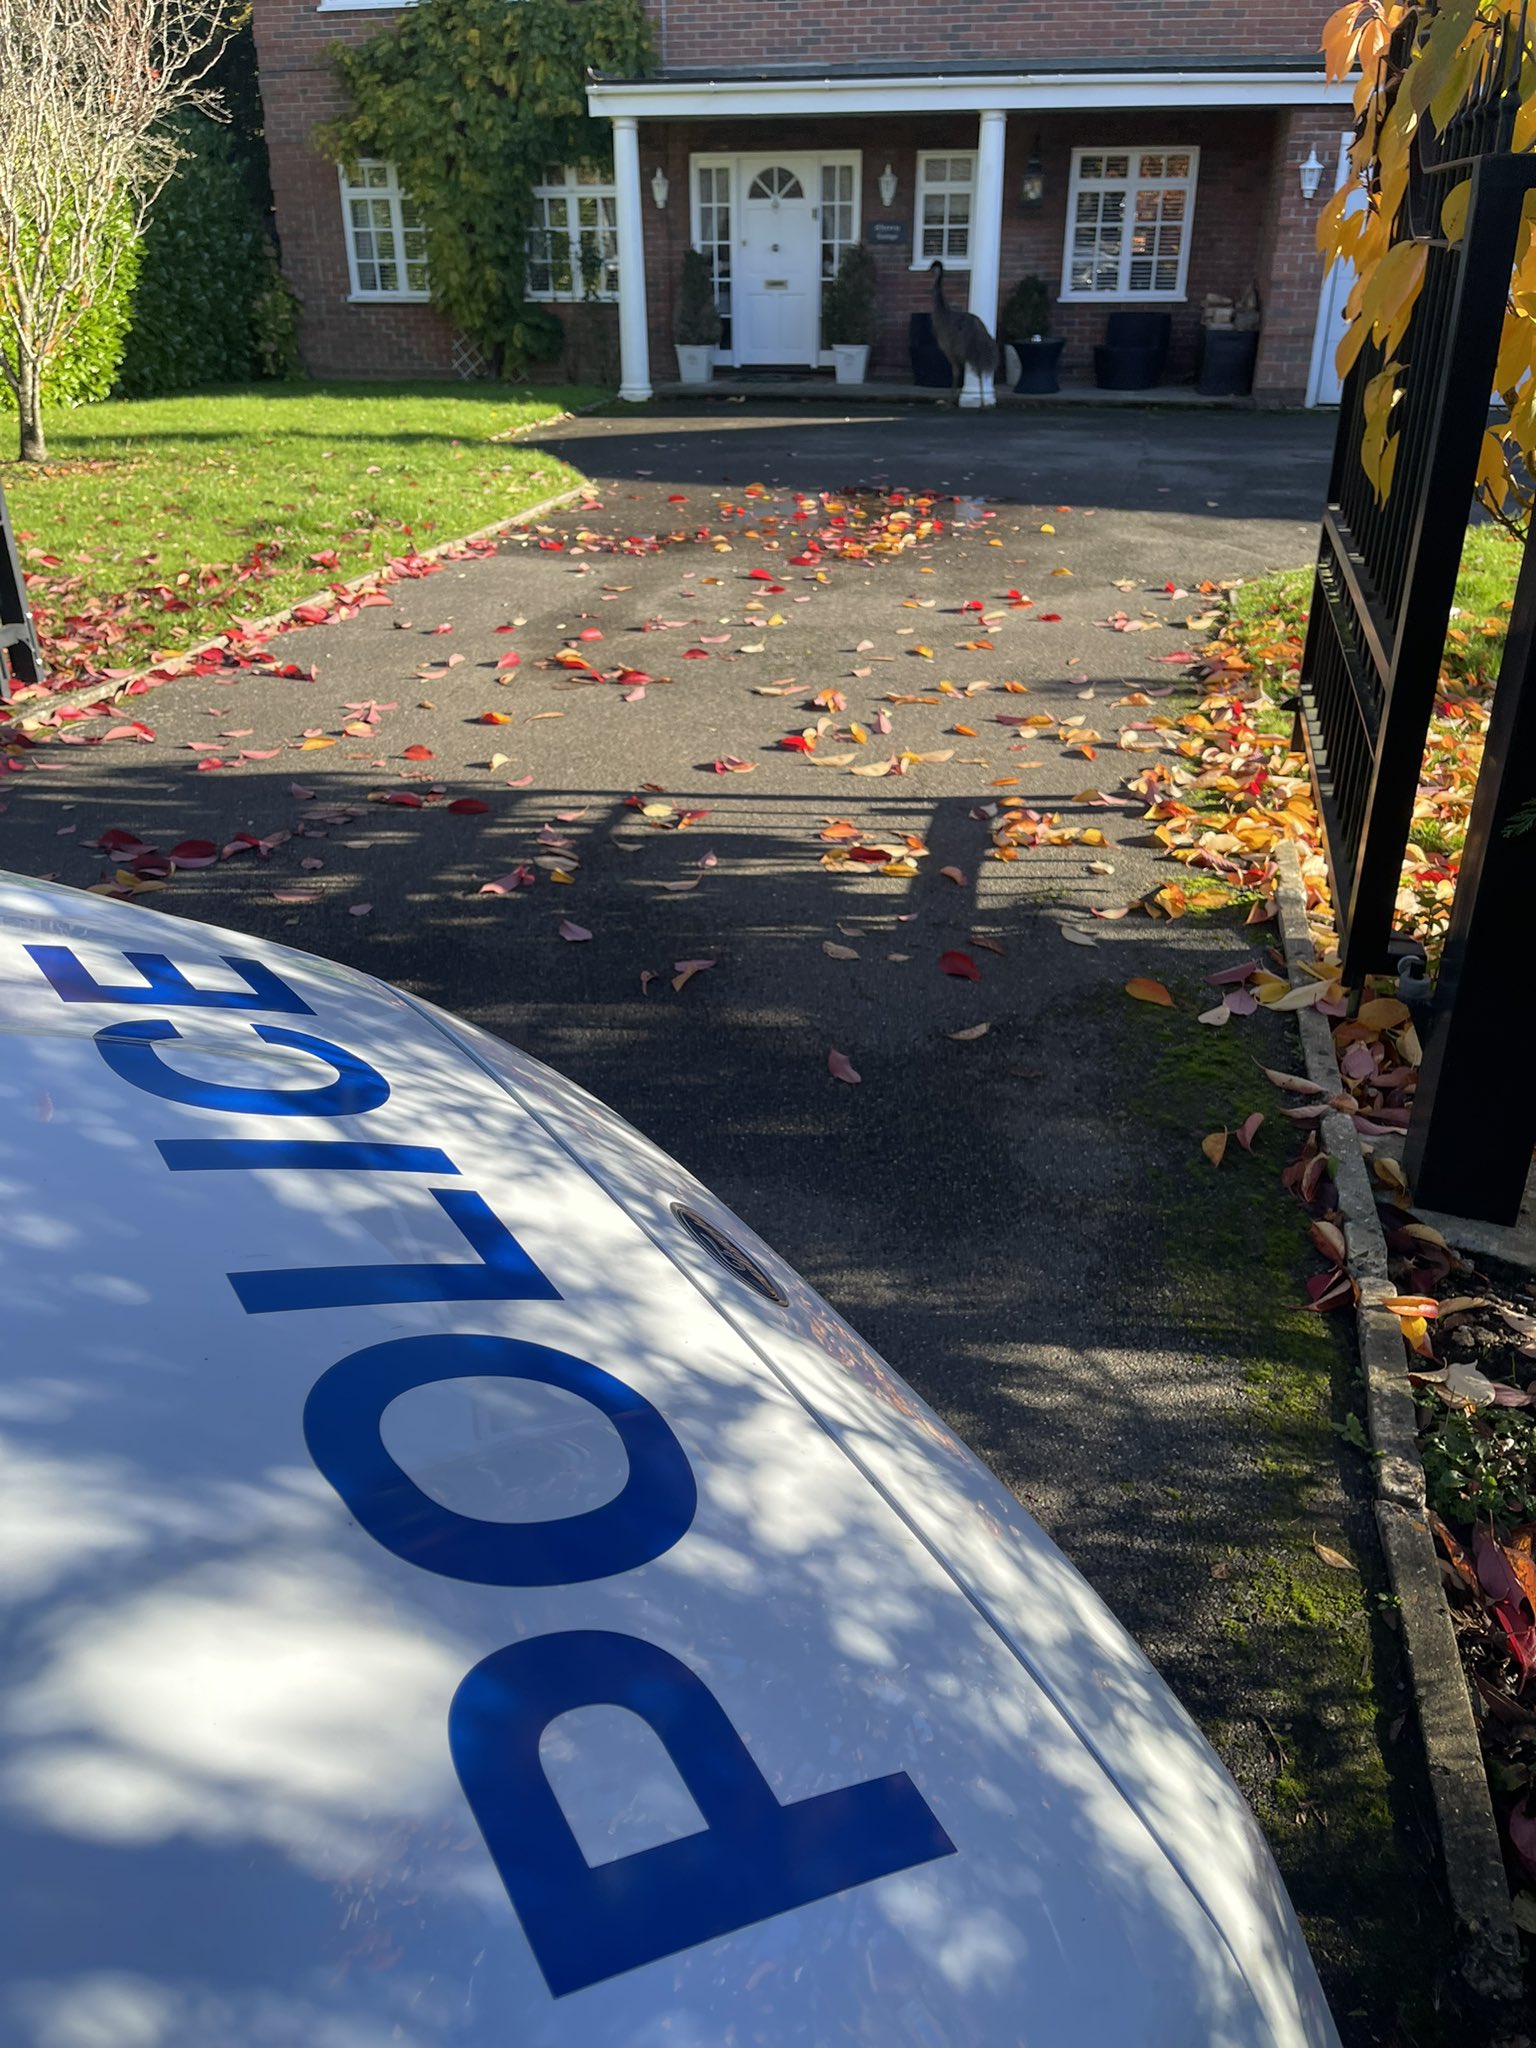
210 306
848 300
1026 315
696 321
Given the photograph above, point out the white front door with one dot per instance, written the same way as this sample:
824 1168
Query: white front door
1324 386
776 294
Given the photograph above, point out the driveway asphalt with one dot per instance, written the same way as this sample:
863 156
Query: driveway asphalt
1021 1221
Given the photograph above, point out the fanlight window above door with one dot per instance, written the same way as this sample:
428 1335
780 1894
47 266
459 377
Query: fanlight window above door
777 182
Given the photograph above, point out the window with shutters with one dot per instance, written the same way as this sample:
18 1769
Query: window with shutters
1129 215
946 193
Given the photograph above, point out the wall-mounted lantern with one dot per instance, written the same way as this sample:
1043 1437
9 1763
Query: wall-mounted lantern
887 186
661 185
1311 174
1032 185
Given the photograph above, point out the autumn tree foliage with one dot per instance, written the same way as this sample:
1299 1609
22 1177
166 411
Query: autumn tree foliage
1418 65
473 101
88 94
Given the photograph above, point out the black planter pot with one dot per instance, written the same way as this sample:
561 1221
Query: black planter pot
1227 357
1037 365
930 365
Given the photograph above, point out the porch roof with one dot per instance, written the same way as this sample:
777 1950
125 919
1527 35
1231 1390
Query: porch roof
1093 87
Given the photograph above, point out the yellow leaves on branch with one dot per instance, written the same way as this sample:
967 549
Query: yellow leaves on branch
1358 33
1418 68
1378 445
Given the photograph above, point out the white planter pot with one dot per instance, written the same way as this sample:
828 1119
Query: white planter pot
851 361
695 365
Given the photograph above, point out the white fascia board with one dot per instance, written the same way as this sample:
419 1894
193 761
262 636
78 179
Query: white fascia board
661 98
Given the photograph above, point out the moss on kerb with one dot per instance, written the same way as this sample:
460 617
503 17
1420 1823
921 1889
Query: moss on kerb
1313 1699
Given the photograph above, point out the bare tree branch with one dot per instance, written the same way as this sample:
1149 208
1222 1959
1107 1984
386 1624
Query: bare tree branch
88 89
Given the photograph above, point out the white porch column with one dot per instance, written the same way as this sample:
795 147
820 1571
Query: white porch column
986 240
634 336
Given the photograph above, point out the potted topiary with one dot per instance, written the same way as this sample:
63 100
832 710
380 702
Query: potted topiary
848 314
696 320
1026 324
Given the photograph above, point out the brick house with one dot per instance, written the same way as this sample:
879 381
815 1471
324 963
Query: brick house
1133 157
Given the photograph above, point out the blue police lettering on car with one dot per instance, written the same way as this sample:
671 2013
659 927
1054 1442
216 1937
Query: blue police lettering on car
755 1858
247 1155
504 1271
652 1511
166 986
129 1050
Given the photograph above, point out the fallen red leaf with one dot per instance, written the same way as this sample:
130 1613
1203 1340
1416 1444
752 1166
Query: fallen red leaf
961 965
195 853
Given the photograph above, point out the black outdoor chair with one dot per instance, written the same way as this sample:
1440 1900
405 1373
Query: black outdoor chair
1134 351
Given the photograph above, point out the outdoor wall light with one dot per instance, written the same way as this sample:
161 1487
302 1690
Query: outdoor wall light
1032 188
1311 174
661 185
887 186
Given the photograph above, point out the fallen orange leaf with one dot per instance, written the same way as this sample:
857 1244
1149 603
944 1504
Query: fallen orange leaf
1146 991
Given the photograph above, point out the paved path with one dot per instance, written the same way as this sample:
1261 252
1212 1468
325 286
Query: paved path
1021 1222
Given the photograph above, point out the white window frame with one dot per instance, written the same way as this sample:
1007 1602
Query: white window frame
1130 185
731 166
924 158
572 188
391 193
845 159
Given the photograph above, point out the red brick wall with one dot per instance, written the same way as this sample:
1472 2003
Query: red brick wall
884 34
1294 269
1227 251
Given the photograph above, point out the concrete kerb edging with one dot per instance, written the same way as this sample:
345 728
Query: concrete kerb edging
1488 1957
31 713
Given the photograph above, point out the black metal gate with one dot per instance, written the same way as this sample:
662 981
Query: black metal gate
20 660
1386 570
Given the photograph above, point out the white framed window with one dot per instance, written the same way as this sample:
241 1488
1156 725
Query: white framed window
386 242
946 194
711 225
573 245
1129 216
840 224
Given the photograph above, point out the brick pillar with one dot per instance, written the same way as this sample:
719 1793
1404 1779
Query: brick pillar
1291 277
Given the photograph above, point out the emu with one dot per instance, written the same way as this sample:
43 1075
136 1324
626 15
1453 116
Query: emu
964 339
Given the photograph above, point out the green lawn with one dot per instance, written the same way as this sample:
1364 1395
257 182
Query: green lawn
1271 612
169 518
1265 624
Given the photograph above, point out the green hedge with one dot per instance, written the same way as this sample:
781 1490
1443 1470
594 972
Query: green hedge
211 306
